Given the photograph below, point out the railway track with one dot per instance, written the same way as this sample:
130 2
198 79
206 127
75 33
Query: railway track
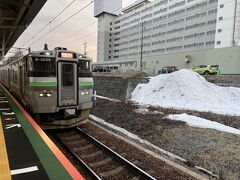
100 161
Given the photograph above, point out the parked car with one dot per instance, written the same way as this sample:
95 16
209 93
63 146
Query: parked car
167 69
100 69
204 69
216 69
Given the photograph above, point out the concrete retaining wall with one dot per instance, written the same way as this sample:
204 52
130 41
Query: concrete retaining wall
116 87
121 88
224 80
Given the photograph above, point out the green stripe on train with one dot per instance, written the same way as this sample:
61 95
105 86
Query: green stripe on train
86 83
36 84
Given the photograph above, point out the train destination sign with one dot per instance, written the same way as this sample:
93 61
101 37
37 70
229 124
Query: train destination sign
66 55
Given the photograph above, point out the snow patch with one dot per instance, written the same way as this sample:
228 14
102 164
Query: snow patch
110 99
135 137
195 121
207 171
188 90
142 110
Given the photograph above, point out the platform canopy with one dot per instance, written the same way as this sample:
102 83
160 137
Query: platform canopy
15 16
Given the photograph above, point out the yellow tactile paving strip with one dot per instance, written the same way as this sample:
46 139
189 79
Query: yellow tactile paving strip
4 164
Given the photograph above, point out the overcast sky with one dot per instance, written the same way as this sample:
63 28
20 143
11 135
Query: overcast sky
60 36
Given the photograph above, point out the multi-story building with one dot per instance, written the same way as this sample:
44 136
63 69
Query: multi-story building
168 32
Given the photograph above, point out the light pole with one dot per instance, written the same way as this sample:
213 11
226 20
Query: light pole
141 55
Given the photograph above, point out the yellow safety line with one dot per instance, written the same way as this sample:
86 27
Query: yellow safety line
4 164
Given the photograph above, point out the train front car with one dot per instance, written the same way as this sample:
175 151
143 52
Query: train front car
59 97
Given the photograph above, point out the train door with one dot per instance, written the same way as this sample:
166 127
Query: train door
67 83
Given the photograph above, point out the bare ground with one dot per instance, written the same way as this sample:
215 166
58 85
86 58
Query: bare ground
214 150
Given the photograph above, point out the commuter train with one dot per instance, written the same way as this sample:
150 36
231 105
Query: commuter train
56 86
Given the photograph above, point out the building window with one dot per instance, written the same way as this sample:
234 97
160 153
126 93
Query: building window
110 34
219 30
110 29
110 40
110 23
218 42
220 18
222 5
109 57
110 51
110 45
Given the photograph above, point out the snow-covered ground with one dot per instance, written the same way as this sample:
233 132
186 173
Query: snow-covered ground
202 123
188 90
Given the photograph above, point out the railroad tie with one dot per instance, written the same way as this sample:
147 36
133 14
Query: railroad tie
112 172
100 163
92 154
83 148
135 178
69 138
73 141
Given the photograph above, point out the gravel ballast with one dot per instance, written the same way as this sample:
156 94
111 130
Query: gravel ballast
216 151
155 167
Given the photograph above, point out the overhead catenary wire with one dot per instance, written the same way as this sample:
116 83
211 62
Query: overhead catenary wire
89 26
64 21
49 23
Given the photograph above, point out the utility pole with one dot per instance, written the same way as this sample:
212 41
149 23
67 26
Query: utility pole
234 24
85 48
141 56
3 44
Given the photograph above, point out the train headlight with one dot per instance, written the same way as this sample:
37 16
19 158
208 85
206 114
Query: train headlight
45 94
83 93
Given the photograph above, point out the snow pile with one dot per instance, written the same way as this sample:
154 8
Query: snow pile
188 90
202 123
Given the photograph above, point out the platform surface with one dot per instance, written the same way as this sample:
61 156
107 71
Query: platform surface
26 152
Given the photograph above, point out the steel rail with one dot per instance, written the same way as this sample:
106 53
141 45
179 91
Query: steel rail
133 166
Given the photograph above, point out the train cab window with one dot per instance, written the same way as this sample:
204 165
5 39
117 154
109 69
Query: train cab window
84 68
67 75
42 67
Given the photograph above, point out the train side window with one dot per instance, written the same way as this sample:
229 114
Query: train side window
84 68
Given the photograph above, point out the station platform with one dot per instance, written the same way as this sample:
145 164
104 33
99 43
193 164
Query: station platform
26 152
